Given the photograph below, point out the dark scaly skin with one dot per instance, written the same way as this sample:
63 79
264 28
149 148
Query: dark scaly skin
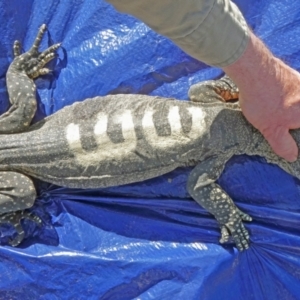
224 88
22 95
21 87
120 139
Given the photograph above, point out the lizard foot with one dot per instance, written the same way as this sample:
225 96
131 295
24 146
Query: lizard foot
32 62
14 219
234 227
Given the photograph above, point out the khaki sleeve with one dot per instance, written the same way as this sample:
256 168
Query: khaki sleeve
213 31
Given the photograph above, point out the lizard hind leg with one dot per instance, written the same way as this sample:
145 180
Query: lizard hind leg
14 219
17 193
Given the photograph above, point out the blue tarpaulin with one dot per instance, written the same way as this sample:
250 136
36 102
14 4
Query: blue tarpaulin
147 240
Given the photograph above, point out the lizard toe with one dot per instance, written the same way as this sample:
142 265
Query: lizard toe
224 235
244 216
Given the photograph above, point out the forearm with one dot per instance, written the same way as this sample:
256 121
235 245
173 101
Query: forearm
213 31
257 62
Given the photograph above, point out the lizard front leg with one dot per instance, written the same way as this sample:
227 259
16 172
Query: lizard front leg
202 187
212 91
17 193
20 84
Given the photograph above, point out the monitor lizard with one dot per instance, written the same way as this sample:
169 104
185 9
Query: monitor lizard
120 139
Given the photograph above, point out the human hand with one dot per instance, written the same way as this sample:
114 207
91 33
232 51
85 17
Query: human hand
269 96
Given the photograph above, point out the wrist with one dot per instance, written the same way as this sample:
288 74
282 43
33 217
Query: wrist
256 63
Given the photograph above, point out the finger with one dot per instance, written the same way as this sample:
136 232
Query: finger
38 69
241 238
19 238
38 38
245 244
50 50
224 235
46 59
32 217
17 48
44 71
237 241
244 233
34 73
282 143
244 216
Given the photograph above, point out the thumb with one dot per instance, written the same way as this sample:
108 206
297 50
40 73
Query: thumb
282 143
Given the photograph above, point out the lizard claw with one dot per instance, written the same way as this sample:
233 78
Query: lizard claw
14 219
